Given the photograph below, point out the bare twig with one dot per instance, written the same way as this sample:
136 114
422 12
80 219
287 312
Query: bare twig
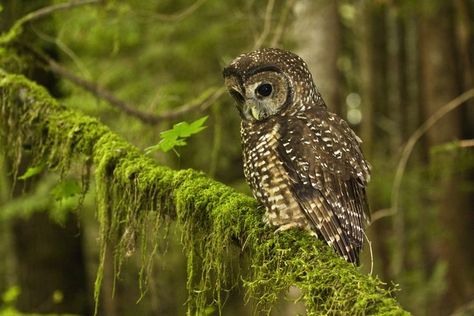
99 92
191 106
379 214
148 118
266 25
180 15
371 253
65 49
41 13
279 30
407 150
453 145
465 143
398 223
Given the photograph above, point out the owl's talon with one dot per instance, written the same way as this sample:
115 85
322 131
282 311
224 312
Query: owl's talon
285 227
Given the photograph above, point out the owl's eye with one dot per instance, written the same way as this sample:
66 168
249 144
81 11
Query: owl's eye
264 89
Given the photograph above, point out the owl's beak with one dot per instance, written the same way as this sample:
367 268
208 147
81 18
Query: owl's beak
249 108
252 109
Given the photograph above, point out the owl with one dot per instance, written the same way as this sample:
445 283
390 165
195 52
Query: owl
302 162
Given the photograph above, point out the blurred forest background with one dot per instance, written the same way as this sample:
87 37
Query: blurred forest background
141 66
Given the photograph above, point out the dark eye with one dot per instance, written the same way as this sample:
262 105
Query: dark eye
264 89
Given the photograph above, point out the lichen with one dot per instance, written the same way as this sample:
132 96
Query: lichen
135 197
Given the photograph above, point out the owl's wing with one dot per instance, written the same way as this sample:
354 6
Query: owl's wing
324 161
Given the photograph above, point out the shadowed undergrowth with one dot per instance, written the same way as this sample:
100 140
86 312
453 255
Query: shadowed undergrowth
135 196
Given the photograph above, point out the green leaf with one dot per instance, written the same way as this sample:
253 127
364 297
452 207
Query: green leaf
166 144
182 129
171 134
176 136
31 171
197 125
65 189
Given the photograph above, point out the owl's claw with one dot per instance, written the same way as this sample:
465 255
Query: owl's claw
285 227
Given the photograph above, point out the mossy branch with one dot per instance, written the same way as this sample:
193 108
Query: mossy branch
216 221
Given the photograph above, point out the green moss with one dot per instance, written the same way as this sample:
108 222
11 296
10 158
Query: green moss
135 197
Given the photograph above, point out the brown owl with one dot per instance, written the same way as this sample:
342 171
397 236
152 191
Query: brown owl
302 162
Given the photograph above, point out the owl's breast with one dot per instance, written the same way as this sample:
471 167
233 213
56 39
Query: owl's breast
259 142
266 175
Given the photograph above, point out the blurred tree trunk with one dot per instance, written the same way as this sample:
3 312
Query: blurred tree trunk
8 277
317 32
50 267
371 48
441 81
465 41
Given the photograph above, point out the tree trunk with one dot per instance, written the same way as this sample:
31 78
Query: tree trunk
440 82
317 32
50 265
371 49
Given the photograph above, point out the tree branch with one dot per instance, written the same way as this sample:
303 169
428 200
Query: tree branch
15 30
131 188
465 143
280 28
174 17
148 118
46 11
266 25
101 92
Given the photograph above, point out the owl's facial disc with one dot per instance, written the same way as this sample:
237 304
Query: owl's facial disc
258 102
261 95
266 94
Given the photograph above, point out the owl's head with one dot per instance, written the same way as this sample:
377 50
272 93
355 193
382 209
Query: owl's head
266 82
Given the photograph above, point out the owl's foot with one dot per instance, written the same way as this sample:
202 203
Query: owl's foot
286 227
296 225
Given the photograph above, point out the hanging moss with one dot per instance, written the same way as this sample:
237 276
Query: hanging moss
215 220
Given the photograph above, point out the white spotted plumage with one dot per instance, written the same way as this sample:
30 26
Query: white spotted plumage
303 163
